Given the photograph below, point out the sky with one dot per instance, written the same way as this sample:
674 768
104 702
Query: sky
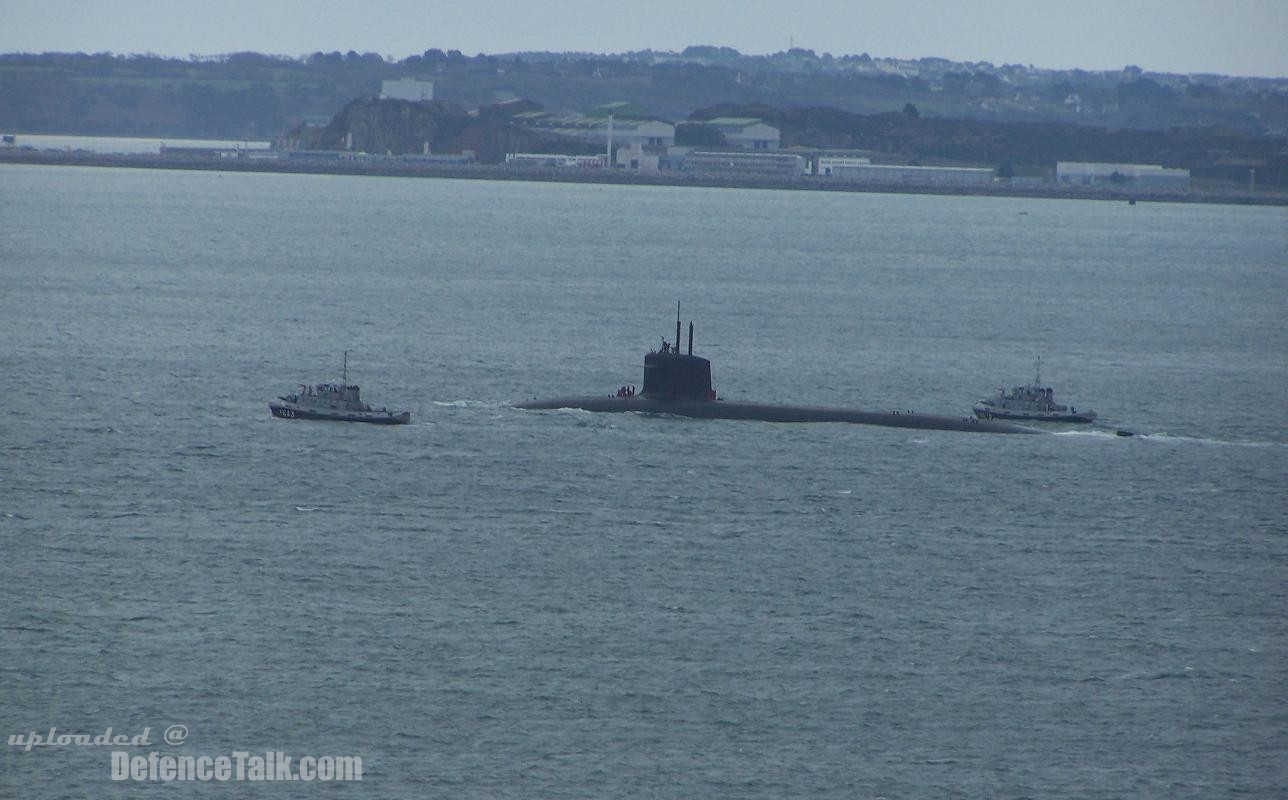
1230 37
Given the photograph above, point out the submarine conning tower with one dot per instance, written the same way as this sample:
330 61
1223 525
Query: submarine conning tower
672 375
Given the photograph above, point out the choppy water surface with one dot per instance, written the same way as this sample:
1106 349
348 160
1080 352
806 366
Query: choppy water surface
496 603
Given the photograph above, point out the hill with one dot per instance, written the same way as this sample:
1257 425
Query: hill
979 113
253 95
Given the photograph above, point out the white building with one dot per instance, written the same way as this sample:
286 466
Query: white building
914 176
407 89
1082 173
746 132
635 157
731 163
828 163
556 160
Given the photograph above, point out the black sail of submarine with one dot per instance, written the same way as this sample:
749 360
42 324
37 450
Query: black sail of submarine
670 375
680 384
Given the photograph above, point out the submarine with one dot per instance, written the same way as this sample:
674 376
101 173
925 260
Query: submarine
679 384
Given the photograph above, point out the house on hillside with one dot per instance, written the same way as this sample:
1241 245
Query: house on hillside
407 89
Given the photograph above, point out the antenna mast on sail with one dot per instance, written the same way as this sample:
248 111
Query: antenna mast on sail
677 327
345 379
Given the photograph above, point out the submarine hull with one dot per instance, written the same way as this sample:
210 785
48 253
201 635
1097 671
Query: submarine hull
766 412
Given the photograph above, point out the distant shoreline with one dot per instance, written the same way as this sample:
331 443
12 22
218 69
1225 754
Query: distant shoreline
412 169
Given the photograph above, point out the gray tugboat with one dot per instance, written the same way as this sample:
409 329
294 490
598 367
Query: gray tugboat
337 402
1031 403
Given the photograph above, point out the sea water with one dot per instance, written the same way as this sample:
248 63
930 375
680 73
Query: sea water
500 603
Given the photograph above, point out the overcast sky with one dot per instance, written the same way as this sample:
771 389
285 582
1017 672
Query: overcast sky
1233 37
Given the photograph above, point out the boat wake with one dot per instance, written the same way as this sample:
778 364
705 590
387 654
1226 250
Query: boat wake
1171 439
469 404
1093 434
1166 438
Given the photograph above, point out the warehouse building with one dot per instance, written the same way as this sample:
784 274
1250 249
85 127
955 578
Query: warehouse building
913 176
1080 173
555 160
598 130
826 164
730 163
636 157
746 132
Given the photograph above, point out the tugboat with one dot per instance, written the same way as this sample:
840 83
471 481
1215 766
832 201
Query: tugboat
337 402
1032 403
679 384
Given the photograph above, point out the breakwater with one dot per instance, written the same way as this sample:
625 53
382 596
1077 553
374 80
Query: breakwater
392 166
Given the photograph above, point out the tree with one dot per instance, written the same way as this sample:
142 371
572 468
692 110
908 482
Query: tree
909 110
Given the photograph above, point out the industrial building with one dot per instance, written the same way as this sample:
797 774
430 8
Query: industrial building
913 176
825 164
555 160
729 163
746 132
598 130
636 157
1080 173
644 132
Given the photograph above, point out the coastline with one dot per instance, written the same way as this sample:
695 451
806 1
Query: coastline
388 167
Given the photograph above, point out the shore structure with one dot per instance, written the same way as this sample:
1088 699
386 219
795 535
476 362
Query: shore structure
422 168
